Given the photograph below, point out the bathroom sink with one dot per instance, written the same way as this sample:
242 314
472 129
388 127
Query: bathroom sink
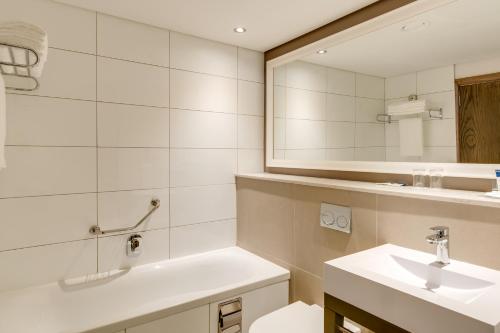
411 290
433 278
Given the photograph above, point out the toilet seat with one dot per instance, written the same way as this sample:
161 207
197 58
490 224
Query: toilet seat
294 318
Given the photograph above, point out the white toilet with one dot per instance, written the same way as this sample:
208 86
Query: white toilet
294 318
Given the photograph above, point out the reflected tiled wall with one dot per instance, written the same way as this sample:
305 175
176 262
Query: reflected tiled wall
125 112
325 113
280 222
437 86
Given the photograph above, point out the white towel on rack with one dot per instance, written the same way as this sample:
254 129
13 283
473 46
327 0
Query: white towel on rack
411 137
3 125
24 35
407 108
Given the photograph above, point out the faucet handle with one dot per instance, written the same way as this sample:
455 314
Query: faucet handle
441 231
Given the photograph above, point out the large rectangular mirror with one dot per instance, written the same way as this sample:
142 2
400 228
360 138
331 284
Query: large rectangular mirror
424 88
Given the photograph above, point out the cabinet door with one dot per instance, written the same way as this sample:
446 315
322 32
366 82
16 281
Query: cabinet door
191 321
255 304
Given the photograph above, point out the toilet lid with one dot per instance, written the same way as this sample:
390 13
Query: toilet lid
294 318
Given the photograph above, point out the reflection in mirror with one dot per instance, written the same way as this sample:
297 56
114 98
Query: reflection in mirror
390 95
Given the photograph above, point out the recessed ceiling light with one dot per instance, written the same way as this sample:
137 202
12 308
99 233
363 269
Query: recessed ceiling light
321 51
415 26
239 30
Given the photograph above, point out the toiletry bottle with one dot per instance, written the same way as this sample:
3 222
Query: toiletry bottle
497 172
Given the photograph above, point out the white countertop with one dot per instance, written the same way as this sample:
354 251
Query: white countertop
110 302
443 195
381 281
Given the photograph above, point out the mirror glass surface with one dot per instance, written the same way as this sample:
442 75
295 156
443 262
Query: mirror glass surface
393 95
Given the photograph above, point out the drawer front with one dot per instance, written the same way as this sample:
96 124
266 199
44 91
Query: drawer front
191 321
255 304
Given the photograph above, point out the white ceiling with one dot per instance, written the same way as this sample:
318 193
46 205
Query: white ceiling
459 32
269 23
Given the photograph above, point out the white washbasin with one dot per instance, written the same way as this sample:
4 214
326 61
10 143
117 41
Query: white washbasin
409 289
435 279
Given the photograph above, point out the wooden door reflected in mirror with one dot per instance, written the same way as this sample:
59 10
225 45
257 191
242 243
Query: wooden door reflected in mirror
478 119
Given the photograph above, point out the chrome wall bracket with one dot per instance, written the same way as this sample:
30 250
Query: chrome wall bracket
134 245
96 230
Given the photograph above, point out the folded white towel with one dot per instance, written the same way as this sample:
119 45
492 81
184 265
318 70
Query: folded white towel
23 35
3 126
407 108
411 138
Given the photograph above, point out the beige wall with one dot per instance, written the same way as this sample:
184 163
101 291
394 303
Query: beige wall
281 222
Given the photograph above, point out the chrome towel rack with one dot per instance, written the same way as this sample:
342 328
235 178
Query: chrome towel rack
434 113
387 118
96 230
21 70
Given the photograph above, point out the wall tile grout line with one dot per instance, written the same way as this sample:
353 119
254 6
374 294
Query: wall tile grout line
331 93
131 147
212 111
97 137
48 244
225 219
131 104
96 54
136 147
47 146
153 65
237 111
46 195
169 148
117 190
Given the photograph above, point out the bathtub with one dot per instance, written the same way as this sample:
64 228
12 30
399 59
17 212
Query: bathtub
114 301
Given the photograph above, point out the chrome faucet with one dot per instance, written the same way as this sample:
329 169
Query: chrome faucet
441 239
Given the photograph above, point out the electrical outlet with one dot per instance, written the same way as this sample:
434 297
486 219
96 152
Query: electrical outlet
335 217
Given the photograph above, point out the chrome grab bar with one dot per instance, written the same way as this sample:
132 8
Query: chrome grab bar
96 230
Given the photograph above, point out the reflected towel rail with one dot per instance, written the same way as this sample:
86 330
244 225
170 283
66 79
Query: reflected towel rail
387 118
434 113
96 230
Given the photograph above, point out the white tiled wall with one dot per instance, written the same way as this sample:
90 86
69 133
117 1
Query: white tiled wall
437 87
125 112
327 113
